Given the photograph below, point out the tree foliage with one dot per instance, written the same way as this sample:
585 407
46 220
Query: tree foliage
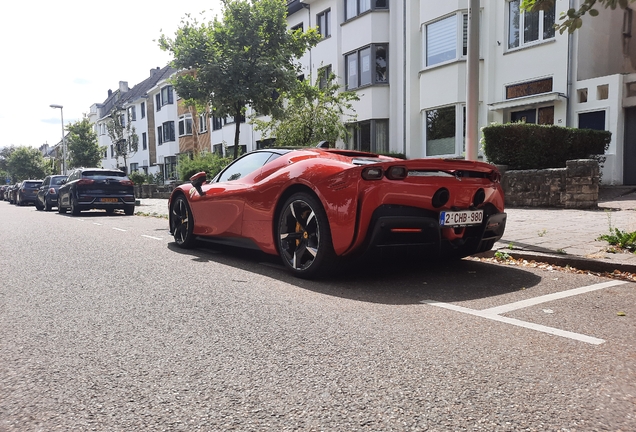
245 58
211 163
83 150
310 114
27 163
123 135
572 19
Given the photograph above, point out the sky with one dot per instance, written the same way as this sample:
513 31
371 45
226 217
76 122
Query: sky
70 53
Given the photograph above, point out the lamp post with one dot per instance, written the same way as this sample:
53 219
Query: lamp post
63 137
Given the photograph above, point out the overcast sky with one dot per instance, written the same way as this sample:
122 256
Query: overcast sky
71 52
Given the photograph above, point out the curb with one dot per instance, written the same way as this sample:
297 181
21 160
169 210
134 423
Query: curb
565 260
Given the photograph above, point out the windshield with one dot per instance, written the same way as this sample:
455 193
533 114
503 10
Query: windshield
56 181
32 185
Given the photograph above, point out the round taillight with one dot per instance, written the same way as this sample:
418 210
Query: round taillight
479 198
397 173
440 197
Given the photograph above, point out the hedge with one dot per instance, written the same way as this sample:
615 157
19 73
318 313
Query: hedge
530 146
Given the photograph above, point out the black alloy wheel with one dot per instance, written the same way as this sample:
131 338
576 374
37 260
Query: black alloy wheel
182 223
304 237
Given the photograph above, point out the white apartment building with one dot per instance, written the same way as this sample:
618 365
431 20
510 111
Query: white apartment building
407 62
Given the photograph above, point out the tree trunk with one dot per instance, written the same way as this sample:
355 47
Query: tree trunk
237 131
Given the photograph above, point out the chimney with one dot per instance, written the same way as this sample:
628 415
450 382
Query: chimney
110 92
154 71
123 86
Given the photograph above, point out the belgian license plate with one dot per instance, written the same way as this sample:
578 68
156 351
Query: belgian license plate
113 200
461 218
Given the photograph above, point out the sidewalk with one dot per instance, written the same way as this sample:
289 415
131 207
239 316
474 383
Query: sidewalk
555 236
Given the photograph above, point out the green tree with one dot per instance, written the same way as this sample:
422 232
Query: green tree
83 150
5 154
244 59
311 113
572 19
123 135
27 163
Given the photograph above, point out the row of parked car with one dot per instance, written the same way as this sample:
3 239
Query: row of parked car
83 189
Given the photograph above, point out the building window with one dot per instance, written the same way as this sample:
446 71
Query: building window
134 167
528 27
217 149
185 125
166 95
354 8
370 136
592 120
159 135
323 76
144 141
447 39
543 116
217 123
367 66
300 27
323 20
170 170
143 110
229 151
158 101
132 113
441 131
112 151
168 131
203 123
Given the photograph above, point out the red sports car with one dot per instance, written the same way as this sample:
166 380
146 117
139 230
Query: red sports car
316 206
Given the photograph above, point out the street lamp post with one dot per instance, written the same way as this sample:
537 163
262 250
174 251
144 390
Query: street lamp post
63 137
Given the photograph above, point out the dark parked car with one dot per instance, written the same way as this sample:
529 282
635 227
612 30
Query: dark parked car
27 191
3 189
47 194
96 188
13 191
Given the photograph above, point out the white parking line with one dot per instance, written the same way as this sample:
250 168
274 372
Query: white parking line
518 323
550 297
151 237
494 313
119 229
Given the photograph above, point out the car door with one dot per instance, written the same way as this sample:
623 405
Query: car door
42 190
220 210
64 191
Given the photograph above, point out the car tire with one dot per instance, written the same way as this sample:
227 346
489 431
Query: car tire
75 211
60 209
129 210
182 223
110 211
303 237
47 204
37 205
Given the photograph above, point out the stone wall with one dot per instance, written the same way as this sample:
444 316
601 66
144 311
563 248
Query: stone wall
575 186
153 191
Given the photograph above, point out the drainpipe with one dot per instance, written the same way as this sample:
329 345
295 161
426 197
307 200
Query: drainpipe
306 6
404 78
568 101
472 82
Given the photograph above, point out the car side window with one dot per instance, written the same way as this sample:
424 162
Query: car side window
244 166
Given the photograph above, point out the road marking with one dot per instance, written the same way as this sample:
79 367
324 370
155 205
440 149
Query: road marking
95 223
151 237
550 297
494 313
119 229
518 323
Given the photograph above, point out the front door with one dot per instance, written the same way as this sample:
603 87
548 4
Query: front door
629 147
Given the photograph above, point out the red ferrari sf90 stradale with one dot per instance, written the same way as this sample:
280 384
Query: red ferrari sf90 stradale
316 206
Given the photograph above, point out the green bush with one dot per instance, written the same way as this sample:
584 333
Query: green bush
137 178
530 146
211 163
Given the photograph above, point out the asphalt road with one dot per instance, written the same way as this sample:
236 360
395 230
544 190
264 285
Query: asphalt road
106 325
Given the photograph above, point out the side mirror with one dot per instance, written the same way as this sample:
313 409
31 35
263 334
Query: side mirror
197 181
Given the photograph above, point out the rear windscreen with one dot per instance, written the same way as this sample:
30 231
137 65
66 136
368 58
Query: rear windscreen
32 185
97 174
